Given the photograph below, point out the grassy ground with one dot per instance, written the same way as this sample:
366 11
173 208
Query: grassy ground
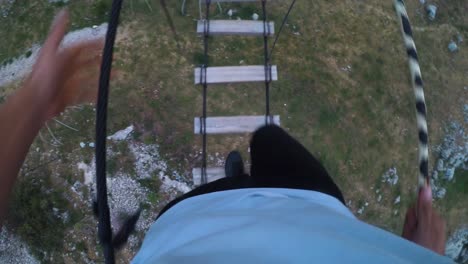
343 89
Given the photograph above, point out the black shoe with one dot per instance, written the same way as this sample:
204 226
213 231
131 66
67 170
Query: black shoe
234 166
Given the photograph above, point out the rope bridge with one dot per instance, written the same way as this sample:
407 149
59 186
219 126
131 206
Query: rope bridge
205 75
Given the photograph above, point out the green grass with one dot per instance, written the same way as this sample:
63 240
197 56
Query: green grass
457 189
153 184
34 201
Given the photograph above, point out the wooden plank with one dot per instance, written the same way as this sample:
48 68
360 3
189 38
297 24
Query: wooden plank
235 74
212 174
233 124
236 27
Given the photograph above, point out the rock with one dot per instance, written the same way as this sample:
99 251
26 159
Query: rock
457 159
431 12
13 249
397 200
255 16
440 165
361 210
122 134
449 173
91 145
452 46
439 192
445 153
390 176
435 175
465 110
82 144
65 216
454 248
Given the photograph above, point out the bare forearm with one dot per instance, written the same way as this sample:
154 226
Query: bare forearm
20 122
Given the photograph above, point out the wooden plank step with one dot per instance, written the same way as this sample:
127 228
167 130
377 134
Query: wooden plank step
236 27
235 74
233 124
212 174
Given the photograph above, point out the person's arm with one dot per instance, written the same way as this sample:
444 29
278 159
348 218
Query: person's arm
60 77
423 225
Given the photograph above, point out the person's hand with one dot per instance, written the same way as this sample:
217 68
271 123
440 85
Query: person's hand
423 225
63 77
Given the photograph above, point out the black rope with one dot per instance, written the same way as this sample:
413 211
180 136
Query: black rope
266 33
203 73
104 227
281 28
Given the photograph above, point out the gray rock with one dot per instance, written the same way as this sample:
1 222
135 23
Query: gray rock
452 46
465 112
431 12
440 165
457 159
438 192
13 250
361 210
455 248
449 173
391 176
445 153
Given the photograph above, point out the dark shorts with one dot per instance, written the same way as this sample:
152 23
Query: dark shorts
277 161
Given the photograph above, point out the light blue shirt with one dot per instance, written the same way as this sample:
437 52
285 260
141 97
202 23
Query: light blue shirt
272 226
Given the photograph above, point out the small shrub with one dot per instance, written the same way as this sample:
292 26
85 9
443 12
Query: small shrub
81 246
101 7
112 166
153 183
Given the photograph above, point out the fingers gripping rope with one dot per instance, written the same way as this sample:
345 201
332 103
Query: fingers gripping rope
418 88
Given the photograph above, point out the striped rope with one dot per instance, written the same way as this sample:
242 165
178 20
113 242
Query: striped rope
418 88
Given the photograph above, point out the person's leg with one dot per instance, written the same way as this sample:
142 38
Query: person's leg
279 161
235 179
